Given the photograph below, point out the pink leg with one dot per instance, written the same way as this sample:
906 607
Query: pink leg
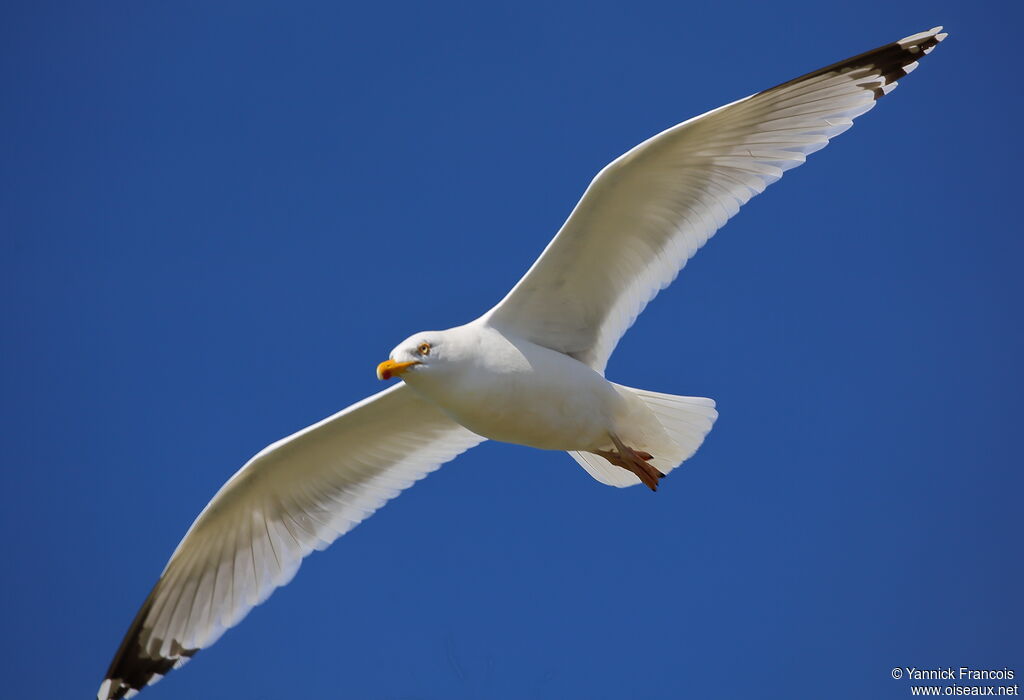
634 461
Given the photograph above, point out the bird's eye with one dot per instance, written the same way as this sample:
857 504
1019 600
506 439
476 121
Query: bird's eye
423 349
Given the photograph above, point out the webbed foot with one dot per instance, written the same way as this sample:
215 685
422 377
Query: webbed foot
635 461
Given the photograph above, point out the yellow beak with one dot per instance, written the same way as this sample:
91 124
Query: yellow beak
390 368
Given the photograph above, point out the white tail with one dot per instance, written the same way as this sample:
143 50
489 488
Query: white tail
686 420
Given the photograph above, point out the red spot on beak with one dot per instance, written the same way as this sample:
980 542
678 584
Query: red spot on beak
390 368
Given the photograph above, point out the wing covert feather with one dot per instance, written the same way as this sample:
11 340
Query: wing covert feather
647 212
298 494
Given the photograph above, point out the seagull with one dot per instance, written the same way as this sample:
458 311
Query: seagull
529 371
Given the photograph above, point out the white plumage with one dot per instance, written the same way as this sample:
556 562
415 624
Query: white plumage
529 371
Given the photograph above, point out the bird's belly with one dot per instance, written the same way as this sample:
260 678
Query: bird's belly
547 420
547 400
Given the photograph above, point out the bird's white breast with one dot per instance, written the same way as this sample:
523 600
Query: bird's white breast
509 389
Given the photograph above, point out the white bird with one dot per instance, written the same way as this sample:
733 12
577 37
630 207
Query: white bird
529 371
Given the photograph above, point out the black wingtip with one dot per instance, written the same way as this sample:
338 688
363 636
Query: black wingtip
889 63
133 667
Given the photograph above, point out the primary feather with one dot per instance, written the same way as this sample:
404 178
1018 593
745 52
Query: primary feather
299 494
647 212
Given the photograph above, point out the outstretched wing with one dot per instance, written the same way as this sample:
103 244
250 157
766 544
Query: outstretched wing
647 212
297 495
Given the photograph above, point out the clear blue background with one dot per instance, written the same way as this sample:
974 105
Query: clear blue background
218 217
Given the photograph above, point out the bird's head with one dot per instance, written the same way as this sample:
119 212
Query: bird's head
416 353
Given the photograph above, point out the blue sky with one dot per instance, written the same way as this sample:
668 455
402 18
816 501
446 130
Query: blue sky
217 220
